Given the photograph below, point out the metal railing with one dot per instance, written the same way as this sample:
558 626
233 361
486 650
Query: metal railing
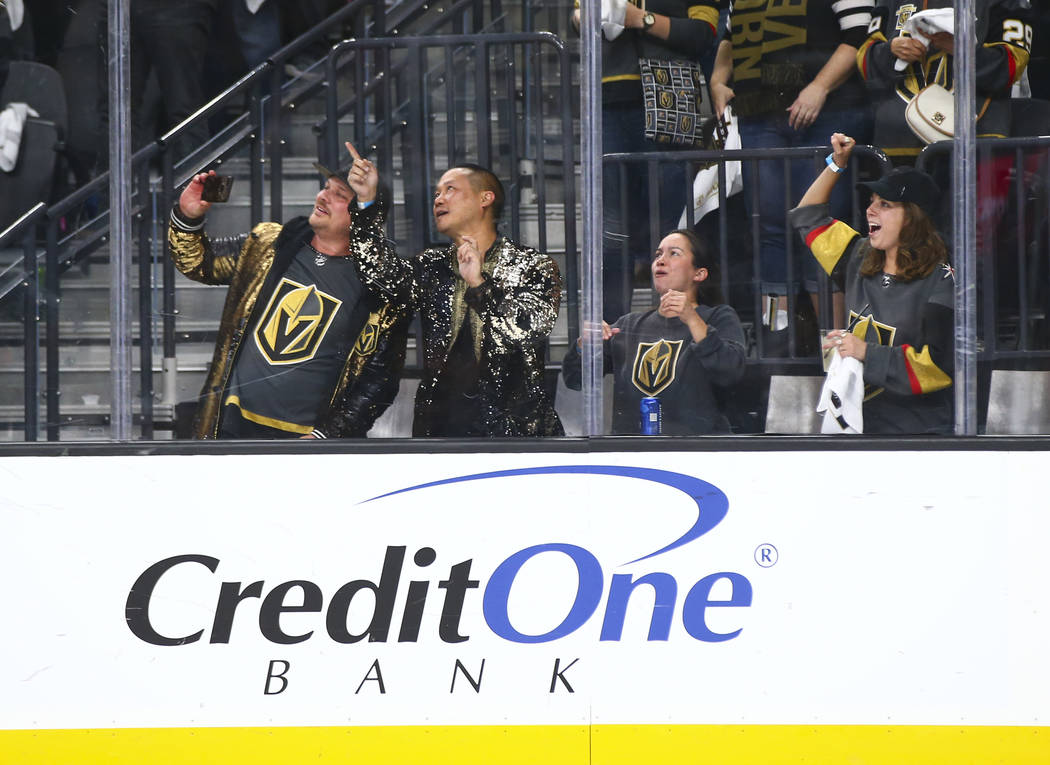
523 118
871 156
1025 205
270 96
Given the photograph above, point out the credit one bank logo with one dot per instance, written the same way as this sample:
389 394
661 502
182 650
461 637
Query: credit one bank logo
303 596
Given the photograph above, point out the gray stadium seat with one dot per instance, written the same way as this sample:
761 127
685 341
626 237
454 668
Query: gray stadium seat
396 421
793 404
1018 403
569 405
33 178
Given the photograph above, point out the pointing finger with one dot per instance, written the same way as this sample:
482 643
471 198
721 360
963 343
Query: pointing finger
352 150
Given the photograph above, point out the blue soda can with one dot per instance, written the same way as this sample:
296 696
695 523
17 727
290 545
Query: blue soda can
651 418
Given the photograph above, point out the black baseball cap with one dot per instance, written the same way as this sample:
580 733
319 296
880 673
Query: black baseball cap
326 174
906 184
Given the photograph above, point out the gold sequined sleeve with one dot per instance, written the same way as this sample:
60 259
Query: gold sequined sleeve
519 302
205 260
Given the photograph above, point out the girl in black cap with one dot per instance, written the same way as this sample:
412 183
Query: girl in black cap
899 290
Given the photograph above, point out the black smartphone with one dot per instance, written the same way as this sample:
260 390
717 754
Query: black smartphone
217 188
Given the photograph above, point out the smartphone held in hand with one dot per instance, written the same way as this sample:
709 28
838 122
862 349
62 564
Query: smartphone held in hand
217 188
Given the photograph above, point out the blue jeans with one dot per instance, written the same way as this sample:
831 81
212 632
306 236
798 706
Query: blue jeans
773 132
623 131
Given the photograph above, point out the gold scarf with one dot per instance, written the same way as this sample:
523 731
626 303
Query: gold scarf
459 302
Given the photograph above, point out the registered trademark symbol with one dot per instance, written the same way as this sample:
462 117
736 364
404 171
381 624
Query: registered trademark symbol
766 555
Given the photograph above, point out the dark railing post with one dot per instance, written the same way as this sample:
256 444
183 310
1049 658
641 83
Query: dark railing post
31 335
482 108
572 259
53 297
653 168
168 308
384 105
756 257
273 130
510 116
451 119
414 155
989 302
256 155
145 221
723 228
625 281
1022 252
791 289
378 19
826 318
331 111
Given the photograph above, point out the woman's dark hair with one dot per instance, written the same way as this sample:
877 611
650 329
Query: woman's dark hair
919 252
709 291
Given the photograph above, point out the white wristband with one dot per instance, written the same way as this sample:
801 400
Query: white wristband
832 164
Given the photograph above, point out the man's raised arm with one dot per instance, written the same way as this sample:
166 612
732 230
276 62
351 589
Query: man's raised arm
385 274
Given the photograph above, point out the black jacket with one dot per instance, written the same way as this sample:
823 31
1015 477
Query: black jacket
252 265
511 316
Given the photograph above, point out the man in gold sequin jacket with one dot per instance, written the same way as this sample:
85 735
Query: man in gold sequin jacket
487 307
303 348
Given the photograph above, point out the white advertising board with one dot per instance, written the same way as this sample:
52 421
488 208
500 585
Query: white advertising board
680 589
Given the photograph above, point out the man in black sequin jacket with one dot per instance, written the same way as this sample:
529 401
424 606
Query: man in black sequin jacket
487 307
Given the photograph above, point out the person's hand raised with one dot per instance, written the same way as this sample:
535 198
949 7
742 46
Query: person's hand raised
362 177
674 303
470 258
190 203
842 147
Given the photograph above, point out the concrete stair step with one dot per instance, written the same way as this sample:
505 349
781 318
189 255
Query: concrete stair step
86 426
85 384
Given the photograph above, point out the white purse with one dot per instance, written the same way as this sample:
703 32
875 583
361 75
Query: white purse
931 114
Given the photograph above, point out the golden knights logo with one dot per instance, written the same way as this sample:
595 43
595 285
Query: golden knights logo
867 328
655 365
294 322
903 14
366 341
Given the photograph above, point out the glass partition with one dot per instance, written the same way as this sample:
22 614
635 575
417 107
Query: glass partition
717 300
797 289
418 91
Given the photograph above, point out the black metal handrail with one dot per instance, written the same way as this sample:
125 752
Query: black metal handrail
653 161
417 193
269 94
456 12
1026 261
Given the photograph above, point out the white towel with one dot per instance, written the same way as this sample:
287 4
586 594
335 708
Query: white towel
12 119
842 397
925 24
16 13
613 13
705 185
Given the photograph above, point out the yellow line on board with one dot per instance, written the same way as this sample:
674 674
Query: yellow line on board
543 744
